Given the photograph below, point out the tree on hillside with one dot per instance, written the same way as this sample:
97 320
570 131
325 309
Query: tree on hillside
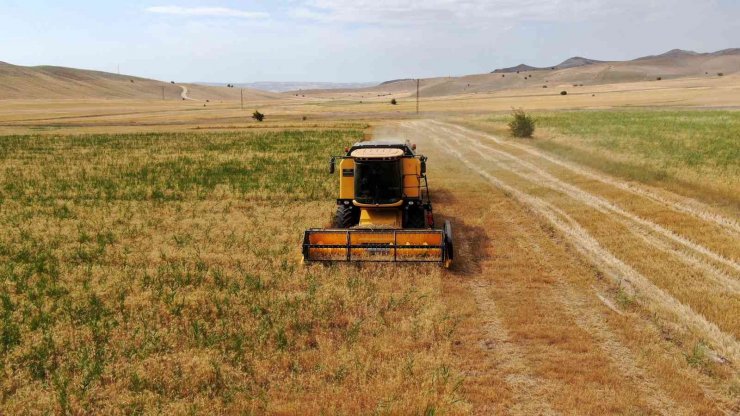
394 102
258 116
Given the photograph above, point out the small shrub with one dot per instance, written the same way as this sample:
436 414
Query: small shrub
394 102
522 125
544 86
659 78
563 92
624 299
719 74
258 116
698 356
305 118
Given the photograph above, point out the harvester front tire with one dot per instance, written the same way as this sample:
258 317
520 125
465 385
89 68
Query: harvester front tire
448 242
346 217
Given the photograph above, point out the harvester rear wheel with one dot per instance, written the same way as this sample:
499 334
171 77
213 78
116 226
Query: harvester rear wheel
346 216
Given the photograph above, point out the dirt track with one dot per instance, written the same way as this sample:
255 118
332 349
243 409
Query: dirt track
184 93
579 290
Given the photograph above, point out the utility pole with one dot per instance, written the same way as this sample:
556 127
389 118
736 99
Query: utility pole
118 69
163 93
242 94
417 96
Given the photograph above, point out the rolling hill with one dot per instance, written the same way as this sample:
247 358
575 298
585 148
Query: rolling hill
573 62
573 71
53 82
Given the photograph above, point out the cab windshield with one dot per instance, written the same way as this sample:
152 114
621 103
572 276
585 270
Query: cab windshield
378 182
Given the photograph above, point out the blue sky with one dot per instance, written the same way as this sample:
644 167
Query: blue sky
345 40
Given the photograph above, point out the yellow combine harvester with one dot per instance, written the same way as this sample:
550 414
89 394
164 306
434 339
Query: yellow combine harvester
384 213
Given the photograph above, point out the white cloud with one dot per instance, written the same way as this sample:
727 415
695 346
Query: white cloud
206 11
469 11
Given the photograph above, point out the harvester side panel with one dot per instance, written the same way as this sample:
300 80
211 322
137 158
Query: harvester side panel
347 179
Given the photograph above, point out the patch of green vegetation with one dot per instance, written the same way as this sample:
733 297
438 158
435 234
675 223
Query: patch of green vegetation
674 139
168 166
693 152
624 299
699 357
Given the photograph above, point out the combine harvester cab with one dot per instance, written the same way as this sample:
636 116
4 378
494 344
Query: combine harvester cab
384 212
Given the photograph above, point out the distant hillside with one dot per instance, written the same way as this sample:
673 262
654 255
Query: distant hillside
578 61
518 68
54 82
278 86
573 62
673 53
393 81
576 71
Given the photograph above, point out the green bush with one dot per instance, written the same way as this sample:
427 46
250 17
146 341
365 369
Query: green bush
563 92
258 116
394 102
522 125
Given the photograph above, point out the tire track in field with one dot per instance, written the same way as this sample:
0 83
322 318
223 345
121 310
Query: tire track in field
674 202
604 206
529 392
620 355
720 277
612 267
591 322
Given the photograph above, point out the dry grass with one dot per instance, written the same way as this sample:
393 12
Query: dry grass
147 273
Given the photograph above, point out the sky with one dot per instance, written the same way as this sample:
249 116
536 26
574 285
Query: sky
350 41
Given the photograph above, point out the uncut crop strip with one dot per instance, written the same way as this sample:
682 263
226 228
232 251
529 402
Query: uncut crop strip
645 227
675 202
607 262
